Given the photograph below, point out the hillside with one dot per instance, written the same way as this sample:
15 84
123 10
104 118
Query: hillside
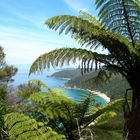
115 88
70 74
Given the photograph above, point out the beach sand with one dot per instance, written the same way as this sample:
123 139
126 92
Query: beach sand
102 95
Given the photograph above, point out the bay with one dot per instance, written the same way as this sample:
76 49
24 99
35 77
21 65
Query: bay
22 78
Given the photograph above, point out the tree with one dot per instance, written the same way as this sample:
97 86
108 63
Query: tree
74 120
118 32
6 73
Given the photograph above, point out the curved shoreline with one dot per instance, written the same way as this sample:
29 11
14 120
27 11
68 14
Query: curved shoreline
102 95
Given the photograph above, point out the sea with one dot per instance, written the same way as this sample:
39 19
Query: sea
22 77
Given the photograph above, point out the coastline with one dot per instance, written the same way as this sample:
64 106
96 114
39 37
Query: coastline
63 78
102 95
98 93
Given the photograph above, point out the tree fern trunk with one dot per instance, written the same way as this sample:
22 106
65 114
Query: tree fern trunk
132 121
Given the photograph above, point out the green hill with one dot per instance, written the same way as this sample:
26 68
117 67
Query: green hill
114 89
70 74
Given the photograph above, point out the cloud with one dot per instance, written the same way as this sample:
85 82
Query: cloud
76 5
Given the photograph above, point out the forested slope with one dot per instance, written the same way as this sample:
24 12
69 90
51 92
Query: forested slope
114 88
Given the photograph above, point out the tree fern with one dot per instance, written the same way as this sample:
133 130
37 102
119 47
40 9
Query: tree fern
87 33
118 31
64 56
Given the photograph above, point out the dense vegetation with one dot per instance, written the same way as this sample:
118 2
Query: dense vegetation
116 31
6 73
51 115
30 113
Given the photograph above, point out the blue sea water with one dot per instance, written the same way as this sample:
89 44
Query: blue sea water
22 77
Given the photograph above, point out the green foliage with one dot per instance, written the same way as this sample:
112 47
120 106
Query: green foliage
57 110
25 90
22 127
2 56
106 122
3 91
3 110
90 18
114 88
117 31
90 32
6 71
122 17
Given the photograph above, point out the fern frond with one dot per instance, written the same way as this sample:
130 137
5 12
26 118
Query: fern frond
86 16
53 104
21 127
114 106
123 12
64 56
39 83
106 121
88 34
103 76
84 31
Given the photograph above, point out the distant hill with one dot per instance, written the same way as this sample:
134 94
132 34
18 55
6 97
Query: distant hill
70 74
114 89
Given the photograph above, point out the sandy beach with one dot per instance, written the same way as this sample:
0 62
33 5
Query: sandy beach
102 95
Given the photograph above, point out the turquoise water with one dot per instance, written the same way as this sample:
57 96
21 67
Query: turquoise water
22 77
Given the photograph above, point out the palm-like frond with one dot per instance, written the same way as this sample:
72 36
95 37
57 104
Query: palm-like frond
86 16
106 121
64 56
62 113
107 124
85 31
87 34
40 84
22 127
122 17
115 106
53 104
124 57
89 60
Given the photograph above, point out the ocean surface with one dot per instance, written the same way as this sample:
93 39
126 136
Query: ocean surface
22 77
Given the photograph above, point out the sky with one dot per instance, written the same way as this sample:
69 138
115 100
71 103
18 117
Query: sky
23 34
